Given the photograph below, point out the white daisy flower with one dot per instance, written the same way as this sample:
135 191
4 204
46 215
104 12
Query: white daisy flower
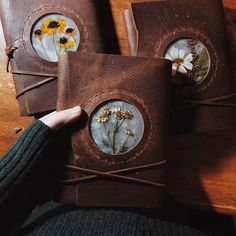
105 111
181 60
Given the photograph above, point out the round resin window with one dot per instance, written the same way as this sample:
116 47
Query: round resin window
116 127
191 61
54 35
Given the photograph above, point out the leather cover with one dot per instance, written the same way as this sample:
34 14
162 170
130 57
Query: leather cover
18 18
158 25
90 79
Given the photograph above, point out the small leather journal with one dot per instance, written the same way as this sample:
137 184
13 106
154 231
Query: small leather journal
192 35
37 32
117 147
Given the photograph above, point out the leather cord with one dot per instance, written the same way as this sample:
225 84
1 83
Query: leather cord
36 85
217 101
113 174
31 87
33 73
9 52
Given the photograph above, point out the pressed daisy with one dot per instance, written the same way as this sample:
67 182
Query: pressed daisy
101 118
181 60
65 43
115 109
119 115
127 114
129 132
70 32
105 111
38 34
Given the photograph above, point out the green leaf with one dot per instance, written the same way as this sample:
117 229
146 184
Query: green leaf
203 58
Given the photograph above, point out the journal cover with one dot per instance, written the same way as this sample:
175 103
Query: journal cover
117 148
192 35
37 32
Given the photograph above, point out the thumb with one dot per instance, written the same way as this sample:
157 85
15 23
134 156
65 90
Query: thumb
58 119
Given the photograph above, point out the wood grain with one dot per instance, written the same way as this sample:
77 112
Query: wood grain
10 120
204 181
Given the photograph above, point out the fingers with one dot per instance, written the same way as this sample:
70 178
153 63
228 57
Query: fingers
57 119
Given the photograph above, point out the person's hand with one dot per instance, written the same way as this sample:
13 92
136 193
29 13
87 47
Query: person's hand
57 119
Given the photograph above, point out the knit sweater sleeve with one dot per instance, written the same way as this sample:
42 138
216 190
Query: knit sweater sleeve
20 159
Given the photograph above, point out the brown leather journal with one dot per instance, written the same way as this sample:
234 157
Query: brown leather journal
37 32
192 35
117 148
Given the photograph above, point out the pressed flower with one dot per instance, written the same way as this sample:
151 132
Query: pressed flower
50 26
44 26
115 109
101 118
119 115
181 60
127 114
129 132
38 34
70 32
65 43
105 111
62 24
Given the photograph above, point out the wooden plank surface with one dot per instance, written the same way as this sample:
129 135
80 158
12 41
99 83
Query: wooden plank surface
10 120
208 183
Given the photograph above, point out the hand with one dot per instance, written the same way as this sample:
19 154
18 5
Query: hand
58 119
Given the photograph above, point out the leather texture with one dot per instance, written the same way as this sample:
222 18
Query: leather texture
89 80
18 17
161 23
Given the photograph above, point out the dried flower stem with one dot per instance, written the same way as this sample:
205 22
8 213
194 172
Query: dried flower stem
44 50
124 143
74 39
107 134
53 39
114 137
120 123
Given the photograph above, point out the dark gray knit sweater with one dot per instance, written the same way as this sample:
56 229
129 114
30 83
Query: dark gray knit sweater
20 191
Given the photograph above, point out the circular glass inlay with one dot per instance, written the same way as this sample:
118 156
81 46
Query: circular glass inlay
54 35
191 61
116 127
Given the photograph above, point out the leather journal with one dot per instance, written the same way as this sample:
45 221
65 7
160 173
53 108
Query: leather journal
192 35
117 148
37 32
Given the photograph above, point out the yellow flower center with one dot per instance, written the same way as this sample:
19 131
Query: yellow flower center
178 61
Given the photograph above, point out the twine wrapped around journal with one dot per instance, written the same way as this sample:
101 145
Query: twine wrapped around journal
206 102
113 174
9 52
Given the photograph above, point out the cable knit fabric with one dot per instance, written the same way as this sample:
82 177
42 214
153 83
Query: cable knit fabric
51 218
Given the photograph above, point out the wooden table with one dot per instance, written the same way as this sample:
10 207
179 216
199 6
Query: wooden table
192 181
